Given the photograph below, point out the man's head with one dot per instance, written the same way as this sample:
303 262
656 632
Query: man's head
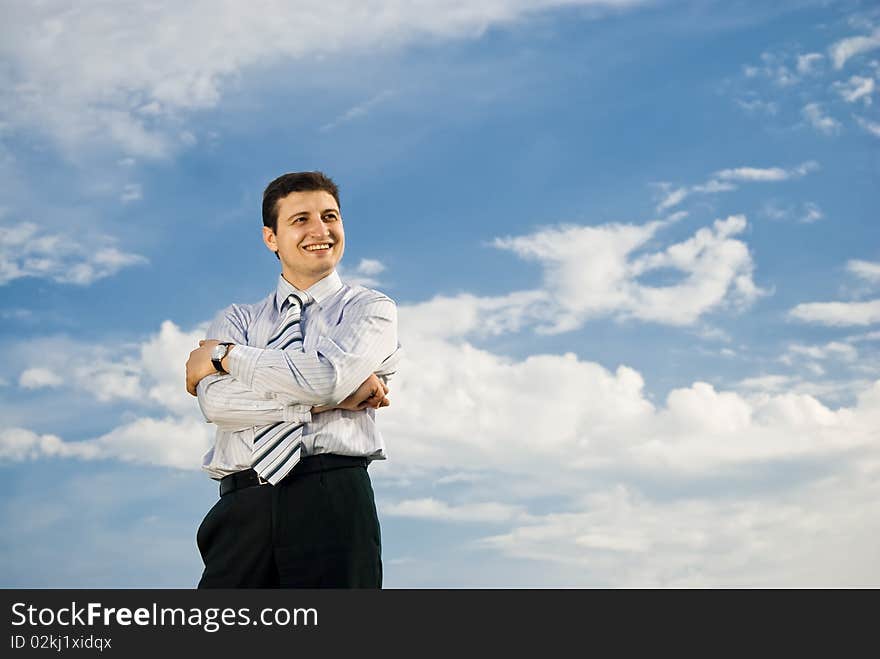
302 224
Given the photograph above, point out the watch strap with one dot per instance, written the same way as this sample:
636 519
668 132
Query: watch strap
218 361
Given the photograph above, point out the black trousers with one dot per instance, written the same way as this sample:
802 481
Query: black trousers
312 530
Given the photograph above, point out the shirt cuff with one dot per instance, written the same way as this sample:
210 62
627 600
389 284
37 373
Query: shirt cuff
298 413
243 363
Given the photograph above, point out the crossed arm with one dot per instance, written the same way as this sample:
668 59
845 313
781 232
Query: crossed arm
349 370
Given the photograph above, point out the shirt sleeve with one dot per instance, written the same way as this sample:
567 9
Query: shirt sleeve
230 405
225 401
363 339
389 367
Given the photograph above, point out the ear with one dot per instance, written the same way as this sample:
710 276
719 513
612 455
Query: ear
269 239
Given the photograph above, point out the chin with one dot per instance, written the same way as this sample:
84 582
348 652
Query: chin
323 270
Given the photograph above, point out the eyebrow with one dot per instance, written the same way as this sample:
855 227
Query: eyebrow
323 212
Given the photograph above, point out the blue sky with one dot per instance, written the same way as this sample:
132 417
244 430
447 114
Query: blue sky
633 245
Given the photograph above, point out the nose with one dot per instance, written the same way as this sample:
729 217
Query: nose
317 227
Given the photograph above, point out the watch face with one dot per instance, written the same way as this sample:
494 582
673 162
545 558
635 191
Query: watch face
219 351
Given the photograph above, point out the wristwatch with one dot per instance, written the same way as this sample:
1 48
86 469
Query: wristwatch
217 355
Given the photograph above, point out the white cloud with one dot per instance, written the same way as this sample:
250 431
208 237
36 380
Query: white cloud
37 378
765 174
17 314
106 374
726 180
756 105
778 68
131 192
806 63
838 313
429 508
831 350
458 477
567 429
364 273
713 185
774 212
153 376
871 126
149 373
26 251
589 418
593 272
867 336
473 315
812 213
857 87
623 538
167 442
869 270
370 267
812 112
774 69
128 73
843 50
590 426
842 390
813 78
673 198
767 383
808 212
357 111
20 444
162 365
709 487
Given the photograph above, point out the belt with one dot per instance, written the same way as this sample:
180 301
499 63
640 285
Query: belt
309 465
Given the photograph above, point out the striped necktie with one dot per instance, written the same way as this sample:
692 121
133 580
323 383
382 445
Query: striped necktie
277 447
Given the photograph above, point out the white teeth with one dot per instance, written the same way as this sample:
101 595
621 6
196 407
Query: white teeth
312 248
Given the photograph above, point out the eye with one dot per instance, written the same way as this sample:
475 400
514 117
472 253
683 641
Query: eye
330 217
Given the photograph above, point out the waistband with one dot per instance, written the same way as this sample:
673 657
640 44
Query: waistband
308 465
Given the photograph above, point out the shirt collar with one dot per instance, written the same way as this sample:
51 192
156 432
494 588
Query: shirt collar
319 291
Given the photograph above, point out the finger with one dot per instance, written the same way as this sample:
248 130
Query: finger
202 342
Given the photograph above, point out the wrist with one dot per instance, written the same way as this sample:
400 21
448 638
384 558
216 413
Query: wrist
225 361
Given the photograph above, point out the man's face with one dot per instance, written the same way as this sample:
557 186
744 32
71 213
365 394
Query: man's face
309 237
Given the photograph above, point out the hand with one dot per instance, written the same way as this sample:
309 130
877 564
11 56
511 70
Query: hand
199 364
371 393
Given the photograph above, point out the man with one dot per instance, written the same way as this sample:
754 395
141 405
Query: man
292 383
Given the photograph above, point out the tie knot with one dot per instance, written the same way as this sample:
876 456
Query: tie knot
300 299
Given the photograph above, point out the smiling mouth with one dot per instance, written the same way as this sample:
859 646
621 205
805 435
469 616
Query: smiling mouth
318 247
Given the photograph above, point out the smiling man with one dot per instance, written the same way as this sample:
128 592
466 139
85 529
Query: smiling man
292 383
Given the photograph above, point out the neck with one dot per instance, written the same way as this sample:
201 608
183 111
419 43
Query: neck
303 282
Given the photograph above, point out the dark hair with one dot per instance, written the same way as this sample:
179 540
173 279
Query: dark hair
294 182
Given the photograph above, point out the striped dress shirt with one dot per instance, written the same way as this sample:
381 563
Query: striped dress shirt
349 332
